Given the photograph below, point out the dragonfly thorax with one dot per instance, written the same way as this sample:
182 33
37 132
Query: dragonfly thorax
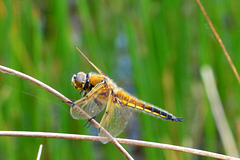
79 80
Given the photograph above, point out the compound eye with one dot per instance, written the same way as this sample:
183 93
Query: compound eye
74 77
78 80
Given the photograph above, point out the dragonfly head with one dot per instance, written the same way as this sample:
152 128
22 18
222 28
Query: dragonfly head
78 80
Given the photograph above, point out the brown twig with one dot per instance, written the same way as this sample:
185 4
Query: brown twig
62 97
95 138
120 140
219 41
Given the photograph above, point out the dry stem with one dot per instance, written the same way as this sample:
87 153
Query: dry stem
62 97
219 41
39 152
218 112
94 138
120 140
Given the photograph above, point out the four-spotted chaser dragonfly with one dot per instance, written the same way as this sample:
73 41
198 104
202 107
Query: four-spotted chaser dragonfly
99 91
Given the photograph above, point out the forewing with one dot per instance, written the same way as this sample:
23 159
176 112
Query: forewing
115 119
93 105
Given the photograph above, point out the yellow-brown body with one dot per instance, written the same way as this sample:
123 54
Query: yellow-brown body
124 98
99 91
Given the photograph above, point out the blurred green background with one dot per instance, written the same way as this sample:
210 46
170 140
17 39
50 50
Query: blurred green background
152 49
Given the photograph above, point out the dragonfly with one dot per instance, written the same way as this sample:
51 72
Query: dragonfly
99 91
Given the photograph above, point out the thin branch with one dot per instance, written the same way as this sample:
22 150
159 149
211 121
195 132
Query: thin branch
219 41
120 140
62 97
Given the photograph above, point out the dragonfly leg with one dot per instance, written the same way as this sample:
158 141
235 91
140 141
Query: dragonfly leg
81 92
71 101
89 121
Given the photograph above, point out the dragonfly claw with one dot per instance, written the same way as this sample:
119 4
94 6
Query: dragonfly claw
89 121
71 101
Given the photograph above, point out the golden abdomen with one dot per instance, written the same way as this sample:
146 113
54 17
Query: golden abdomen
134 103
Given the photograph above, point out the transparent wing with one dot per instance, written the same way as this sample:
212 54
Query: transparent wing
93 103
115 119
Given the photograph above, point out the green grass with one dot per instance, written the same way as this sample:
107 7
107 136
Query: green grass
166 43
